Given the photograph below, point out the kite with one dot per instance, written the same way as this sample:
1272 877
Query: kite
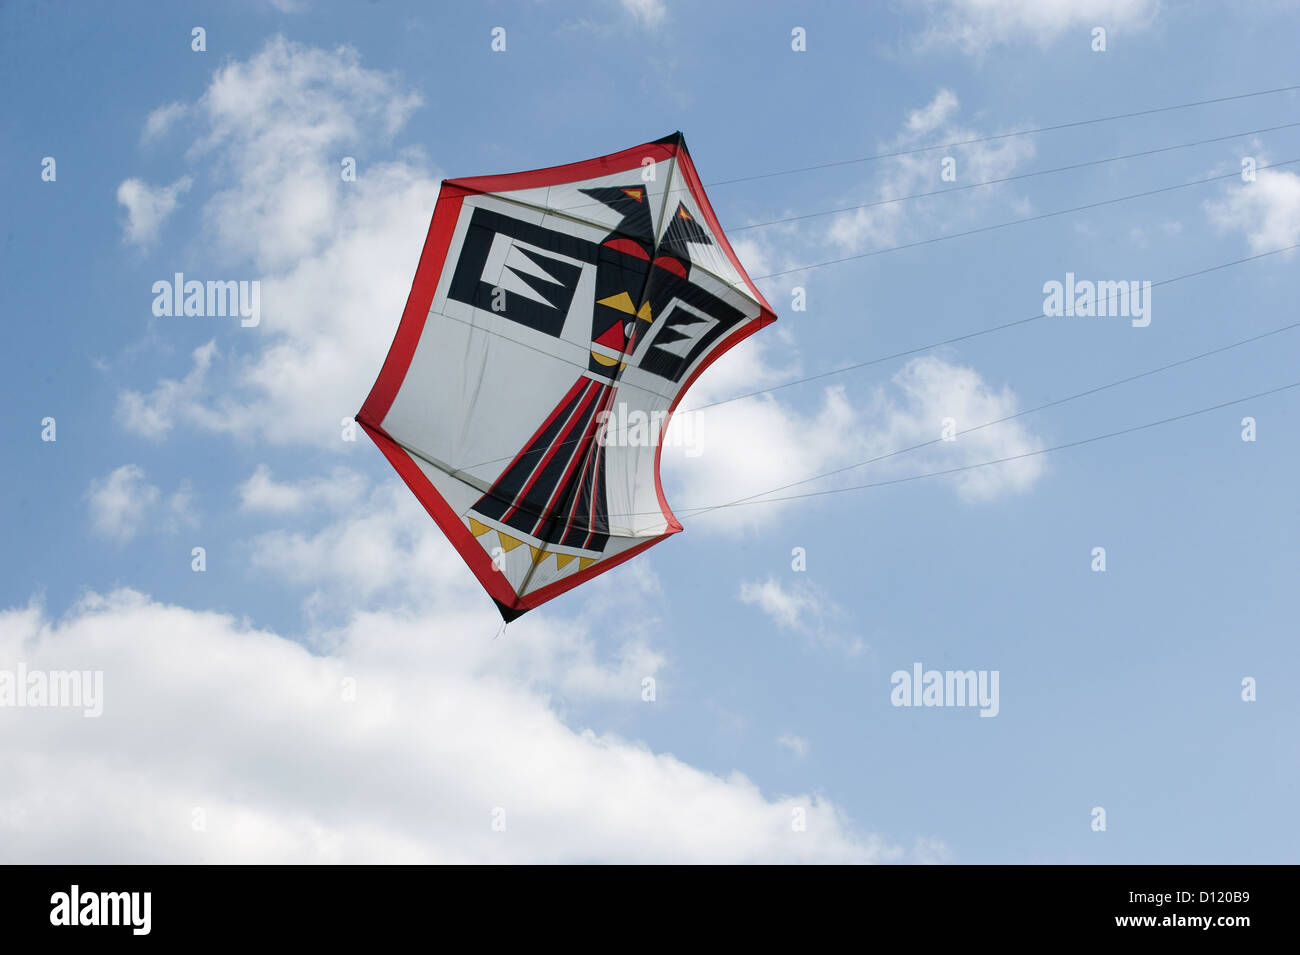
545 304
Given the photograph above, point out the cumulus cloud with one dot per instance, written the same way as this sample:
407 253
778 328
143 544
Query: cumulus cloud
264 494
162 119
883 223
382 551
154 414
1266 212
931 394
741 450
123 503
788 606
795 744
975 26
148 207
648 13
335 259
803 608
405 742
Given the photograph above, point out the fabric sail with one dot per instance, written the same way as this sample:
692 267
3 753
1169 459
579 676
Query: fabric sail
547 307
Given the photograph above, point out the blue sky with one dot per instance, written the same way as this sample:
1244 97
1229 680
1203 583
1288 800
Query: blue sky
1120 690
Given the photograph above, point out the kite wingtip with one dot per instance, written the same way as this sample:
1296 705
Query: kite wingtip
675 139
509 614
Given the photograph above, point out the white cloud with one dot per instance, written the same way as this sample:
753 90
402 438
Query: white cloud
385 552
803 608
162 119
259 746
932 116
263 750
978 25
648 13
789 607
795 744
748 447
927 391
153 415
148 207
123 503
335 259
261 492
279 123
887 223
1266 211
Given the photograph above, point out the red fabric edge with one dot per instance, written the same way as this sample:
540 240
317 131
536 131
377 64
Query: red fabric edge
738 336
687 168
411 327
570 172
766 316
475 557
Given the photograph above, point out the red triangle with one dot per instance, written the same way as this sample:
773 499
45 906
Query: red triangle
613 337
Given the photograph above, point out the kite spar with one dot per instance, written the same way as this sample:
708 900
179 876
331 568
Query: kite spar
545 303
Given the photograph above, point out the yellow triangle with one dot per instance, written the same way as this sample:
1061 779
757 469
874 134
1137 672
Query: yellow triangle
585 562
563 560
622 301
478 528
508 543
645 313
534 551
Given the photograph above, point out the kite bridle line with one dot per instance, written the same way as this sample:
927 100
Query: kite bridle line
1016 178
975 334
1020 414
744 502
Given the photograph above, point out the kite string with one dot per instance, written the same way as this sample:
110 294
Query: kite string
699 511
1011 222
1019 414
969 335
1000 136
1005 179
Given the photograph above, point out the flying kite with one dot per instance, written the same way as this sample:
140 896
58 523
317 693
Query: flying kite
545 304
